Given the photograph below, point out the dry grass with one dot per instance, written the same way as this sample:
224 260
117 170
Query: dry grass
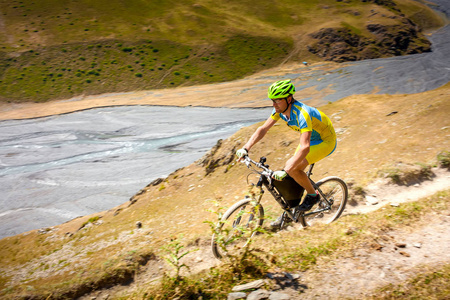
300 250
370 139
429 284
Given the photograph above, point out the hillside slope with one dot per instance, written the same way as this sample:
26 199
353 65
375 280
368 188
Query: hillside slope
378 135
55 50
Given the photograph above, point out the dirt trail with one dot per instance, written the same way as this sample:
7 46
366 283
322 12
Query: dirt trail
390 264
336 280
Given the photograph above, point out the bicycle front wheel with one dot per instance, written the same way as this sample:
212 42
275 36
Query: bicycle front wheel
236 228
329 207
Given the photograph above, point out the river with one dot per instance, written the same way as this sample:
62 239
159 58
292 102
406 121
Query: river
57 168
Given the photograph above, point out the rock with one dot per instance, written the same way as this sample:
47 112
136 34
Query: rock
340 130
405 253
372 200
342 44
259 295
291 276
138 224
400 245
251 285
279 296
376 246
351 231
44 230
236 296
275 276
391 113
99 222
417 245
285 143
156 182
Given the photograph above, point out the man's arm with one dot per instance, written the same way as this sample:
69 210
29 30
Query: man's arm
259 133
296 160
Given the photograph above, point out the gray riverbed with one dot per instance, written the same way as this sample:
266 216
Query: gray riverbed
57 168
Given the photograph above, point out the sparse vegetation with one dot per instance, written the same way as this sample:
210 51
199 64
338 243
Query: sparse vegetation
91 220
174 254
443 159
408 174
429 283
301 250
234 239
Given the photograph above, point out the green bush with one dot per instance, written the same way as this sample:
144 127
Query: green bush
444 159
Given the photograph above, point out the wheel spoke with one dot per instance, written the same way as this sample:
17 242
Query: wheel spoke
237 227
327 210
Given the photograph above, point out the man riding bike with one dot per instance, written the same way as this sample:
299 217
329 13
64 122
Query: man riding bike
317 138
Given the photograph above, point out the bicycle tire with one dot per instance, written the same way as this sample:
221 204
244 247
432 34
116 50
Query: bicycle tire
336 190
234 219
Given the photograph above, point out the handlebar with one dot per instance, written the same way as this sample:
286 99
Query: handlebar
265 169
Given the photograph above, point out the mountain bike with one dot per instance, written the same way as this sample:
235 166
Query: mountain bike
243 219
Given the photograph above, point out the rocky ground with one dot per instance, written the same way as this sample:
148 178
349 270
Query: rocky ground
391 261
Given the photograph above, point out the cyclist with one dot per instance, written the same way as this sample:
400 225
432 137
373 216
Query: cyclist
317 138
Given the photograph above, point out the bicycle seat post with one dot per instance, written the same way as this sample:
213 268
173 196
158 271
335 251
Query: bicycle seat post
309 173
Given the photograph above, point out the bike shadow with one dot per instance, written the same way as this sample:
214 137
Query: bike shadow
283 280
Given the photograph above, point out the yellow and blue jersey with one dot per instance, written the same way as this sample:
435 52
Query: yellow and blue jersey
305 118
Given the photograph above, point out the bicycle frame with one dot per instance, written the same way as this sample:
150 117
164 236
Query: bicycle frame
266 181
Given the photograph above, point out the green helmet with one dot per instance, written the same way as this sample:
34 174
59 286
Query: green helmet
281 89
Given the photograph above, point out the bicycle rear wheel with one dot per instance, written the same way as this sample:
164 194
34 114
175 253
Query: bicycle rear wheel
236 228
327 210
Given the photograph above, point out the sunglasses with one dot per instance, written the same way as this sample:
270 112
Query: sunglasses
278 100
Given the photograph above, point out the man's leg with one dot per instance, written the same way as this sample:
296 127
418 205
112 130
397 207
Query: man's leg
300 176
316 153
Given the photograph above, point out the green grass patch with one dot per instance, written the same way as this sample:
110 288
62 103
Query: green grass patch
86 68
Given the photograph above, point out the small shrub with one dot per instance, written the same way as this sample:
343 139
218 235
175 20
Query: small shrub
175 253
407 174
444 159
359 190
91 220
